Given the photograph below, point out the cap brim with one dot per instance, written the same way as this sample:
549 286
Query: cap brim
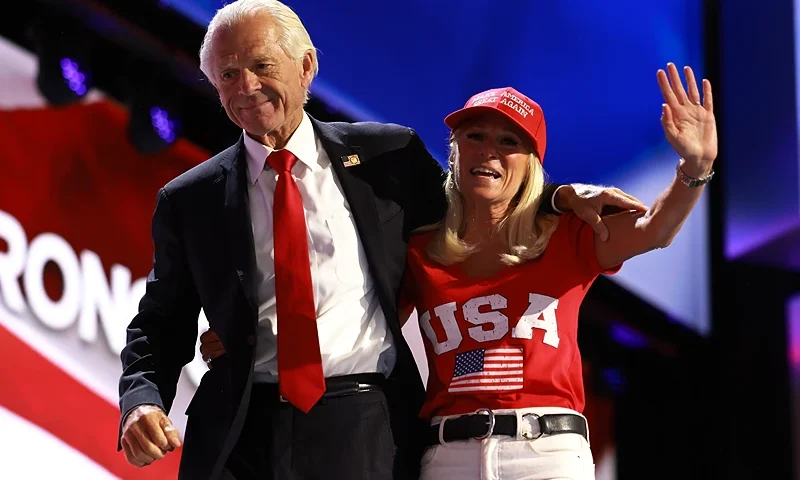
456 118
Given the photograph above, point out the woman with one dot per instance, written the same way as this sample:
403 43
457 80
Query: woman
498 287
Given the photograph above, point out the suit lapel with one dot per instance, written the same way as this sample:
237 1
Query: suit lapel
361 198
236 214
359 194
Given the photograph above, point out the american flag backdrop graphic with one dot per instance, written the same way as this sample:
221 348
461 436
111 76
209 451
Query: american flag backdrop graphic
486 370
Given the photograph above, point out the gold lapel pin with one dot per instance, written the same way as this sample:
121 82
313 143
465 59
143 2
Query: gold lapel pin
351 160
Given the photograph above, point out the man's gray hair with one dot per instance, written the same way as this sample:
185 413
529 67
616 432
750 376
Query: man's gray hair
292 35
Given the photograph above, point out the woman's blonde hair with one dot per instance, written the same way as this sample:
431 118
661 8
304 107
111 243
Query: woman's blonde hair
524 229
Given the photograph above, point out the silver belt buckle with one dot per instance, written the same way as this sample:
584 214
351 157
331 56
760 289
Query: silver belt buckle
281 399
490 426
529 435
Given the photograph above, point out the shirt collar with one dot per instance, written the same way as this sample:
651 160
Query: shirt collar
303 144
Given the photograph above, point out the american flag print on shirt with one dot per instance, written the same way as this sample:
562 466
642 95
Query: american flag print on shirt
486 370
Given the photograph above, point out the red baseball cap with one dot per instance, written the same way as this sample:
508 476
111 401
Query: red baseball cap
511 104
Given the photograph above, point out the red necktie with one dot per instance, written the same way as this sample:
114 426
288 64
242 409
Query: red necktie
300 377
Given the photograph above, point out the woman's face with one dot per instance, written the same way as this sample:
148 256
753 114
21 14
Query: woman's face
493 160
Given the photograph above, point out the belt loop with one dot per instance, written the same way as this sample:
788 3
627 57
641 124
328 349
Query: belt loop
588 437
518 433
441 431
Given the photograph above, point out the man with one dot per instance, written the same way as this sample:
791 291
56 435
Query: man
293 242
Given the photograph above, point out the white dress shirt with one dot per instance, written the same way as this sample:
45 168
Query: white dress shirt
353 333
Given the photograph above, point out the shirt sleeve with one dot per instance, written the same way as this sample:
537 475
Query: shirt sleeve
581 239
406 295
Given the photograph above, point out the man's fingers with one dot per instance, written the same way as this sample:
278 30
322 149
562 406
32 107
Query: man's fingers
146 444
139 455
217 352
129 455
171 433
208 336
595 221
623 200
632 197
156 433
144 437
212 351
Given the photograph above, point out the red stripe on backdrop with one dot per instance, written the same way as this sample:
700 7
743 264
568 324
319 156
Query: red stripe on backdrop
42 393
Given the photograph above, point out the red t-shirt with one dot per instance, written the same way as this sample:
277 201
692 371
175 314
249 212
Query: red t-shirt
509 340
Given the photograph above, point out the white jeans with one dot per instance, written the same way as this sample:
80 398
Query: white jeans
565 456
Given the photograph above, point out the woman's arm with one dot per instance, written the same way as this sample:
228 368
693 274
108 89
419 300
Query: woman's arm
690 128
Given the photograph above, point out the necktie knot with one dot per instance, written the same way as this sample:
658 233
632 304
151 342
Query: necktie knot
282 160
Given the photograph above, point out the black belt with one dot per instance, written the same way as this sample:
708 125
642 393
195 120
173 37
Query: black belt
334 387
480 426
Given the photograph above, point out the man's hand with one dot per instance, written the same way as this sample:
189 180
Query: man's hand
211 347
147 435
590 203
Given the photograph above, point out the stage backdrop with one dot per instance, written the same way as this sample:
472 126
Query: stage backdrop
75 206
762 172
762 158
76 202
591 65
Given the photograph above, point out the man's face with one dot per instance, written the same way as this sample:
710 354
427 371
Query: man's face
261 88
